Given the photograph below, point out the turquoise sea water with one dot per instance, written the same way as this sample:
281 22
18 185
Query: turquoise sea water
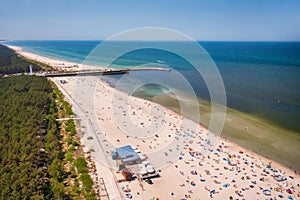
261 78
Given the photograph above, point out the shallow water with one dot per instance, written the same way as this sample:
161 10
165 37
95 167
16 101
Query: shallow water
262 81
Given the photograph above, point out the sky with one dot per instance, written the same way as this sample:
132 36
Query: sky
210 20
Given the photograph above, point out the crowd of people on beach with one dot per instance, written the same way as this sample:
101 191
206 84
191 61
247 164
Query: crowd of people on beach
203 168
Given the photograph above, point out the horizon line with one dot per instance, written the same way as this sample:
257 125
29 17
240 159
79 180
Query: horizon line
97 40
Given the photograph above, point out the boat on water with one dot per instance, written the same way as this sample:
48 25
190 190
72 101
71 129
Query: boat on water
160 61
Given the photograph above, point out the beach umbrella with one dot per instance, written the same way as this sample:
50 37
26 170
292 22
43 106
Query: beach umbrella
194 173
267 192
129 196
193 183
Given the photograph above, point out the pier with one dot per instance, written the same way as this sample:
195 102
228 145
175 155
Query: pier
100 72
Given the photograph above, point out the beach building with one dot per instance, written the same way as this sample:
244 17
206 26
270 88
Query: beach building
127 174
132 163
126 156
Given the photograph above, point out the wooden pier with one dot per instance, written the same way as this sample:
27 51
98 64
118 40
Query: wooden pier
86 73
100 72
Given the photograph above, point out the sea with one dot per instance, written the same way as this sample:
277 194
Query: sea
260 78
261 83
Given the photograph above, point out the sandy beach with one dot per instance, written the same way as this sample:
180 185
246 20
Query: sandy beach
189 165
55 63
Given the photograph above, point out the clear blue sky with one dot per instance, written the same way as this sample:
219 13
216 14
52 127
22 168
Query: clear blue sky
202 20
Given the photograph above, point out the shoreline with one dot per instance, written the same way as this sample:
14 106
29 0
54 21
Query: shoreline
248 131
173 117
55 63
68 66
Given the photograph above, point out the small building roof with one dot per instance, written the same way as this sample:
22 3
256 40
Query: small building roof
127 153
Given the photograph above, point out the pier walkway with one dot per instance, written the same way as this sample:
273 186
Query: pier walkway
99 72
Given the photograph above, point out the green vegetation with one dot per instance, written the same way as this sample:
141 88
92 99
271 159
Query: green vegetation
70 127
76 165
86 181
81 166
11 63
67 108
37 152
29 144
